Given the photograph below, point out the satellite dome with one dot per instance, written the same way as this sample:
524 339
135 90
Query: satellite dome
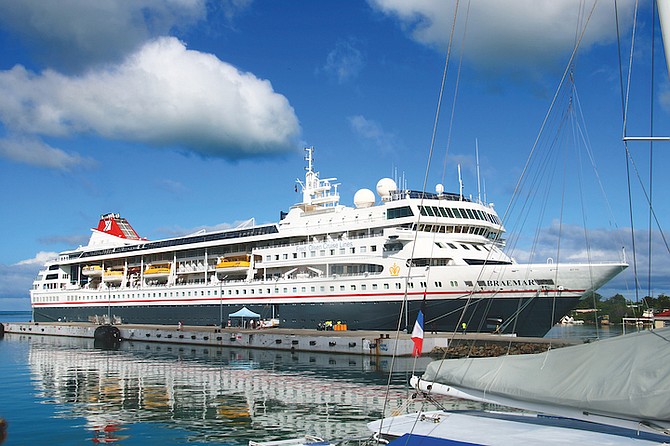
439 188
385 186
364 198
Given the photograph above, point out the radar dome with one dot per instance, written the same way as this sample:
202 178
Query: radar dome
385 186
439 188
364 198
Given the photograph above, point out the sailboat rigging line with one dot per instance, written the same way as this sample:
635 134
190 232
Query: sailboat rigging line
583 136
629 157
453 102
405 304
651 146
625 94
568 67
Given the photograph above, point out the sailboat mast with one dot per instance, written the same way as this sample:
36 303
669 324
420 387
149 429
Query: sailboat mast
664 18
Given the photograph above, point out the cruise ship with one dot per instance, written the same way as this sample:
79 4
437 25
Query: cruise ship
369 266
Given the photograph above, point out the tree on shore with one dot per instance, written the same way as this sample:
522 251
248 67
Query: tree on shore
618 307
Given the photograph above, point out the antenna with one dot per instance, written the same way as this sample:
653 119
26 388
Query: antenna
479 193
460 183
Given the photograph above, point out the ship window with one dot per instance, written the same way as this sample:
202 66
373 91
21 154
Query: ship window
285 256
312 289
332 288
52 276
363 249
353 250
457 213
322 288
341 287
353 287
469 211
465 246
544 281
476 247
312 253
386 286
438 284
374 286
285 290
422 210
364 287
342 251
430 211
400 212
453 283
449 212
295 255
276 256
322 252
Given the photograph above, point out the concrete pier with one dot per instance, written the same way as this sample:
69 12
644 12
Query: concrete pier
372 343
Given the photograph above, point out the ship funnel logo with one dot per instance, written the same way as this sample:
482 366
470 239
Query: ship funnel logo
394 270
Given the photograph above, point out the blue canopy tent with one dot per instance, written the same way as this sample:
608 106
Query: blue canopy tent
243 313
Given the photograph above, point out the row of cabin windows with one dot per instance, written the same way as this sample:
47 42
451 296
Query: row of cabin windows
449 229
473 214
244 291
321 253
462 245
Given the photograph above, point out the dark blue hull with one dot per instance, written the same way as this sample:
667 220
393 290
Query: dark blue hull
524 317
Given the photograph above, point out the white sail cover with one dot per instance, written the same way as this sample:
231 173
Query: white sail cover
626 376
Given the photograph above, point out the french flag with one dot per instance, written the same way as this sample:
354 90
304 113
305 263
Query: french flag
417 333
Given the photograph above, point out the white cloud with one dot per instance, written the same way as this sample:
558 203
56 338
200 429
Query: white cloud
511 37
73 34
28 150
372 131
16 280
39 259
345 62
163 95
604 245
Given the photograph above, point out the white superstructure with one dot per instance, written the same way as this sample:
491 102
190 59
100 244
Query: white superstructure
322 261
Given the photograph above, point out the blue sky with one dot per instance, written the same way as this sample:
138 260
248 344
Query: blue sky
190 114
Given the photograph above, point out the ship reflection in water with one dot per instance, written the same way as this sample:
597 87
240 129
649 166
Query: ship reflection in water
215 395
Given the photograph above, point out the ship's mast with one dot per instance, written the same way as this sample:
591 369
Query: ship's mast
317 193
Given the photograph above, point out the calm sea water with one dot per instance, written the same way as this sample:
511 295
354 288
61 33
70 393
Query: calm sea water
63 391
